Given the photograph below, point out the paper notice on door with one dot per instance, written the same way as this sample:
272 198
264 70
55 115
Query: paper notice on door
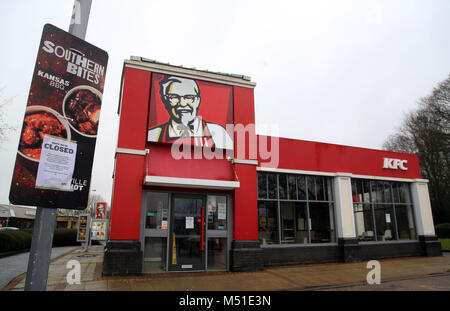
222 211
212 204
388 218
189 222
57 163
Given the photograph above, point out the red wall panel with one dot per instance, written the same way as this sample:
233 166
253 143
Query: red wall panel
161 163
245 215
322 157
127 194
134 109
244 115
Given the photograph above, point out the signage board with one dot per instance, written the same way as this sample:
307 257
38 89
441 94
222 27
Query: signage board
64 103
98 229
190 111
83 228
100 210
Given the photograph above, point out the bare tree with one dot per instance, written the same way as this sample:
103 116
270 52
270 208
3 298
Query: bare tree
426 131
4 127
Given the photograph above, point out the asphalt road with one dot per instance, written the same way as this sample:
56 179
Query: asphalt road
12 266
427 283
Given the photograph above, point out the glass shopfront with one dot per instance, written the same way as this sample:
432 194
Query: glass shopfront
383 210
185 231
295 209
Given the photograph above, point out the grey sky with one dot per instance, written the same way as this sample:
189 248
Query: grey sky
341 72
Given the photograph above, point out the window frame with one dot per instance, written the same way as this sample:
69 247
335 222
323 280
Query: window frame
328 193
375 204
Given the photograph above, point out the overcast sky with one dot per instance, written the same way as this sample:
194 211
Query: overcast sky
342 72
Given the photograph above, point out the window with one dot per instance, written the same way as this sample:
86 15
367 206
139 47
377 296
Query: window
295 209
383 210
157 212
268 222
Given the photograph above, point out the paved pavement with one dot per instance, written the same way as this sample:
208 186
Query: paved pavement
301 277
12 266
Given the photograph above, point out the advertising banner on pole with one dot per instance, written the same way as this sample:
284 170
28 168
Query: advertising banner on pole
57 143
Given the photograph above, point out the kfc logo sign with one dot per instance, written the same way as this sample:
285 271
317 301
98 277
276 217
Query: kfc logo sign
395 164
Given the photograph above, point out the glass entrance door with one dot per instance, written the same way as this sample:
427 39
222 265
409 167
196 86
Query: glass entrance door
187 236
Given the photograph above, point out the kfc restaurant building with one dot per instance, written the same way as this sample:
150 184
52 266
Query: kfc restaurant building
192 193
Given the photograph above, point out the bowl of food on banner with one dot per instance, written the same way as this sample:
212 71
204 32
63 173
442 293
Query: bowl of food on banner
81 107
38 122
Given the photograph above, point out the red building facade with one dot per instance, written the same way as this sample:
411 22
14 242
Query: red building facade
196 189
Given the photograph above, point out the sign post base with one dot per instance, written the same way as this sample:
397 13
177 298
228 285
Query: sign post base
41 249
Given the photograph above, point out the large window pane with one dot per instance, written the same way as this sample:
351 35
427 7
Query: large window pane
405 222
387 193
262 185
378 216
321 215
364 222
301 187
157 212
155 251
320 191
377 191
282 186
287 214
366 191
267 222
302 226
357 190
273 186
395 191
217 253
311 183
217 212
405 196
292 187
384 222
293 198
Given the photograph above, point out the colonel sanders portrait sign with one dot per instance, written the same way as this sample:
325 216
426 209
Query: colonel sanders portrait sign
190 112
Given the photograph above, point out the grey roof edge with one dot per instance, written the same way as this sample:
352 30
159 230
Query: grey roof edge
237 79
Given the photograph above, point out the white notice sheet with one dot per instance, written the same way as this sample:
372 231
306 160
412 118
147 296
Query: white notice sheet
56 164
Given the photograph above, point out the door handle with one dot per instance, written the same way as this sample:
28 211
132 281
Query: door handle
202 229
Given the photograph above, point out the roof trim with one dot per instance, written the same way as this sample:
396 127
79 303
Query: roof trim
154 66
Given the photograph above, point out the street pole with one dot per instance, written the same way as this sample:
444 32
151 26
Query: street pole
80 18
45 220
41 249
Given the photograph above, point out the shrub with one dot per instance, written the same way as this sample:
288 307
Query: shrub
443 230
65 237
21 239
14 240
